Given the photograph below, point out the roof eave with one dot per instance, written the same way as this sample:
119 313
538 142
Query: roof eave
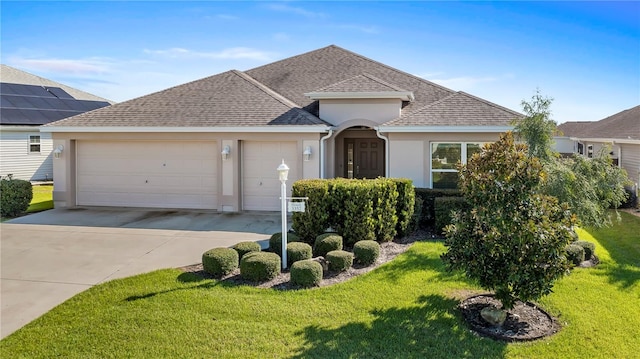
227 129
401 95
441 129
606 140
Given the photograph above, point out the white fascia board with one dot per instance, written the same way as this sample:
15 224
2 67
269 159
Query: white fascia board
607 140
459 129
245 129
401 95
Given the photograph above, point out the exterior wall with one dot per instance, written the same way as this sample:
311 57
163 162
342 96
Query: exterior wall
564 145
377 111
229 171
410 155
631 161
15 158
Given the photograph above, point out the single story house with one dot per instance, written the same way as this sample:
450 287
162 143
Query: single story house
27 102
620 132
215 143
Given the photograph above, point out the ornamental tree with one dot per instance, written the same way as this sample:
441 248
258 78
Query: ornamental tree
510 239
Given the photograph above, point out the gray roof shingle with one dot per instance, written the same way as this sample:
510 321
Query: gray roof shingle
361 83
622 125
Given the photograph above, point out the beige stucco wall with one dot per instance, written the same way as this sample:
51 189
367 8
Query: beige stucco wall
229 183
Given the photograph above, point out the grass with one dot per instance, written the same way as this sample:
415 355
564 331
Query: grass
404 309
42 199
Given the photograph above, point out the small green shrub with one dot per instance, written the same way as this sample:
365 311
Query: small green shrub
444 207
339 261
298 251
15 196
427 199
260 266
306 273
366 252
245 247
275 242
220 261
326 243
589 248
575 254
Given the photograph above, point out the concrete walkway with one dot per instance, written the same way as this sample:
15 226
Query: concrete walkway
48 257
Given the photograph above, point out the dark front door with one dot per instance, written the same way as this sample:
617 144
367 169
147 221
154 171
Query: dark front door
364 157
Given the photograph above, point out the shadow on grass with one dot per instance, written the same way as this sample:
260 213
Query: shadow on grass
183 278
433 328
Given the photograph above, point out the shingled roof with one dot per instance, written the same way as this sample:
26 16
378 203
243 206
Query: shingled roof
458 109
274 94
228 99
622 125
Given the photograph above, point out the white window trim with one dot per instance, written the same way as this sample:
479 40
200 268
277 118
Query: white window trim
463 155
29 143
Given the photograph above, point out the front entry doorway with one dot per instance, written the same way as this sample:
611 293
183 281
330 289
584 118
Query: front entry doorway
364 157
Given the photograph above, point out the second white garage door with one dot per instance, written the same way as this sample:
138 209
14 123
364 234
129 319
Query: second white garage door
261 187
161 174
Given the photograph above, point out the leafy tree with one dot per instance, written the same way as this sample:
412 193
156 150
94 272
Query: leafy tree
510 239
537 127
589 186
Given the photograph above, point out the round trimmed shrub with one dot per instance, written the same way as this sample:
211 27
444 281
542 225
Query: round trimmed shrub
15 196
297 251
589 248
275 242
306 273
575 254
366 252
245 247
339 261
260 266
326 243
220 261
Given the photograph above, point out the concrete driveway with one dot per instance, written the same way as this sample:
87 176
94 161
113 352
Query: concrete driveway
48 257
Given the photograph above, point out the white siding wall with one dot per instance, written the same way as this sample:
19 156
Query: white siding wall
631 160
377 110
15 157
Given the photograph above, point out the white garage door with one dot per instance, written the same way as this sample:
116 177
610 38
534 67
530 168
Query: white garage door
147 174
261 186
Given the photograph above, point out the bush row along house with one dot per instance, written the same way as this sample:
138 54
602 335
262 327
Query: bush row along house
215 143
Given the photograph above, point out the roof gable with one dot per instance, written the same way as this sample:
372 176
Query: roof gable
622 125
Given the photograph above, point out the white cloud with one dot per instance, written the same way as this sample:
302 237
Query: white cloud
295 10
227 17
230 53
464 82
281 36
64 66
361 28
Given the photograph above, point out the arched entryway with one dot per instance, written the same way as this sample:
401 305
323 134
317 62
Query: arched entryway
359 153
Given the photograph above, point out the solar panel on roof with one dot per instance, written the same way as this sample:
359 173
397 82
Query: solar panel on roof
59 93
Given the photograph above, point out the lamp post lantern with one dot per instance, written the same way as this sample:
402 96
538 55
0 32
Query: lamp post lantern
283 173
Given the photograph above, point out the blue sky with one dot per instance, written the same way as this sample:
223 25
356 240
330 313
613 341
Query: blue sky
586 55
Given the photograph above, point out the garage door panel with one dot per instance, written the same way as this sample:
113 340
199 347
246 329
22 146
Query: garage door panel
261 187
147 174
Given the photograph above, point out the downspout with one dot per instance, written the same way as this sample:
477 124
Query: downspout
386 151
322 139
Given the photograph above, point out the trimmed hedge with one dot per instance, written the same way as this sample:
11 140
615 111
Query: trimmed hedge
245 247
275 242
632 198
589 248
220 261
444 208
575 254
339 261
260 266
366 252
298 251
369 209
428 197
15 196
326 243
306 273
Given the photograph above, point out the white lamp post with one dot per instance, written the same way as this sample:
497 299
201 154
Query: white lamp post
283 173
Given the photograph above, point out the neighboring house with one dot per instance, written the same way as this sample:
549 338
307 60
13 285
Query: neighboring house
27 102
620 132
215 143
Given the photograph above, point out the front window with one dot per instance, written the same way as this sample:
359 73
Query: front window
444 161
34 144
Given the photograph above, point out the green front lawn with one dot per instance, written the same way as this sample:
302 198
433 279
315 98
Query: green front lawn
404 309
42 199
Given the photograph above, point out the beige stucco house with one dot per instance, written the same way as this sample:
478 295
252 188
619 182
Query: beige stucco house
215 143
619 133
